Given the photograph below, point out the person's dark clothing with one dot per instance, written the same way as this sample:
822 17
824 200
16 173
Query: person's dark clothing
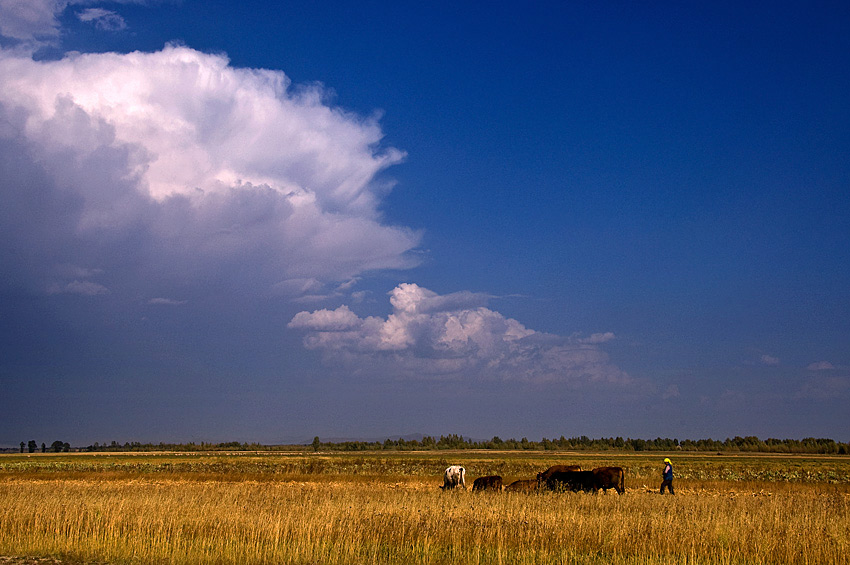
667 475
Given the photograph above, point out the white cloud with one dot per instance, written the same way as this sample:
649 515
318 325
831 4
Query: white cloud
84 288
326 320
449 336
196 169
238 126
36 22
599 338
166 302
413 299
821 366
30 19
769 360
295 288
106 20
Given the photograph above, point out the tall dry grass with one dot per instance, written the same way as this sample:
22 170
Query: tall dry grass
151 519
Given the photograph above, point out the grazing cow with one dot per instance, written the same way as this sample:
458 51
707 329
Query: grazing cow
454 477
529 485
609 477
572 480
544 476
491 482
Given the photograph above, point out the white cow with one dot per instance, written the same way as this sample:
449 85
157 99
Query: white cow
455 476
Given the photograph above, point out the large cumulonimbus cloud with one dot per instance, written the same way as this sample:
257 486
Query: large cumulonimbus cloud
453 336
174 167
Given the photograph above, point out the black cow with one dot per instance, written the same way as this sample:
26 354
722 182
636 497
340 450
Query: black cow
544 476
492 482
572 480
609 477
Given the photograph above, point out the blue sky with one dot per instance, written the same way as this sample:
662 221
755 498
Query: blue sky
263 222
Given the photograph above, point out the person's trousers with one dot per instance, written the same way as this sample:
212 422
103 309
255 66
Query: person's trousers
668 485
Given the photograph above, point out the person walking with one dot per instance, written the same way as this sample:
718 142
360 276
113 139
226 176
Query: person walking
667 475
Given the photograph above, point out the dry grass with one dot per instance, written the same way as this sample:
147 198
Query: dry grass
182 517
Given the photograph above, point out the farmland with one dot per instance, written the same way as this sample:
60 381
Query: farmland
386 508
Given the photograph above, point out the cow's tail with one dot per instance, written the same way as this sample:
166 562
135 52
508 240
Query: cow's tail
622 481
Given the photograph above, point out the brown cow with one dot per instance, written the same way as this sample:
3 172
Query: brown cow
572 480
529 485
609 477
544 476
491 482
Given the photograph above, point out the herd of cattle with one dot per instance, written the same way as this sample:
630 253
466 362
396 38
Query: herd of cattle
557 478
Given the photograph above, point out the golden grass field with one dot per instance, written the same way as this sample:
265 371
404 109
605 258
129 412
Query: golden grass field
343 508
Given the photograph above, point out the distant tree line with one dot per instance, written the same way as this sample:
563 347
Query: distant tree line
749 444
56 447
191 446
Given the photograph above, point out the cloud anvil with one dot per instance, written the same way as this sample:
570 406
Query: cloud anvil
240 172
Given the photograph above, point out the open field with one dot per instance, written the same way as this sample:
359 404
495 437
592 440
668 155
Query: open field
385 507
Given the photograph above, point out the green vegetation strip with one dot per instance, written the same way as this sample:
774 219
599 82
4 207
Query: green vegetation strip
511 465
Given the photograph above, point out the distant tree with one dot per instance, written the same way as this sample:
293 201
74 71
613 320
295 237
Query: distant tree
22 446
316 443
32 446
43 448
57 446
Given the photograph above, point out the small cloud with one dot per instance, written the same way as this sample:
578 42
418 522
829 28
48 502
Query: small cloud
326 320
347 285
84 288
359 296
821 366
769 360
310 290
412 299
297 288
598 338
105 20
166 302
